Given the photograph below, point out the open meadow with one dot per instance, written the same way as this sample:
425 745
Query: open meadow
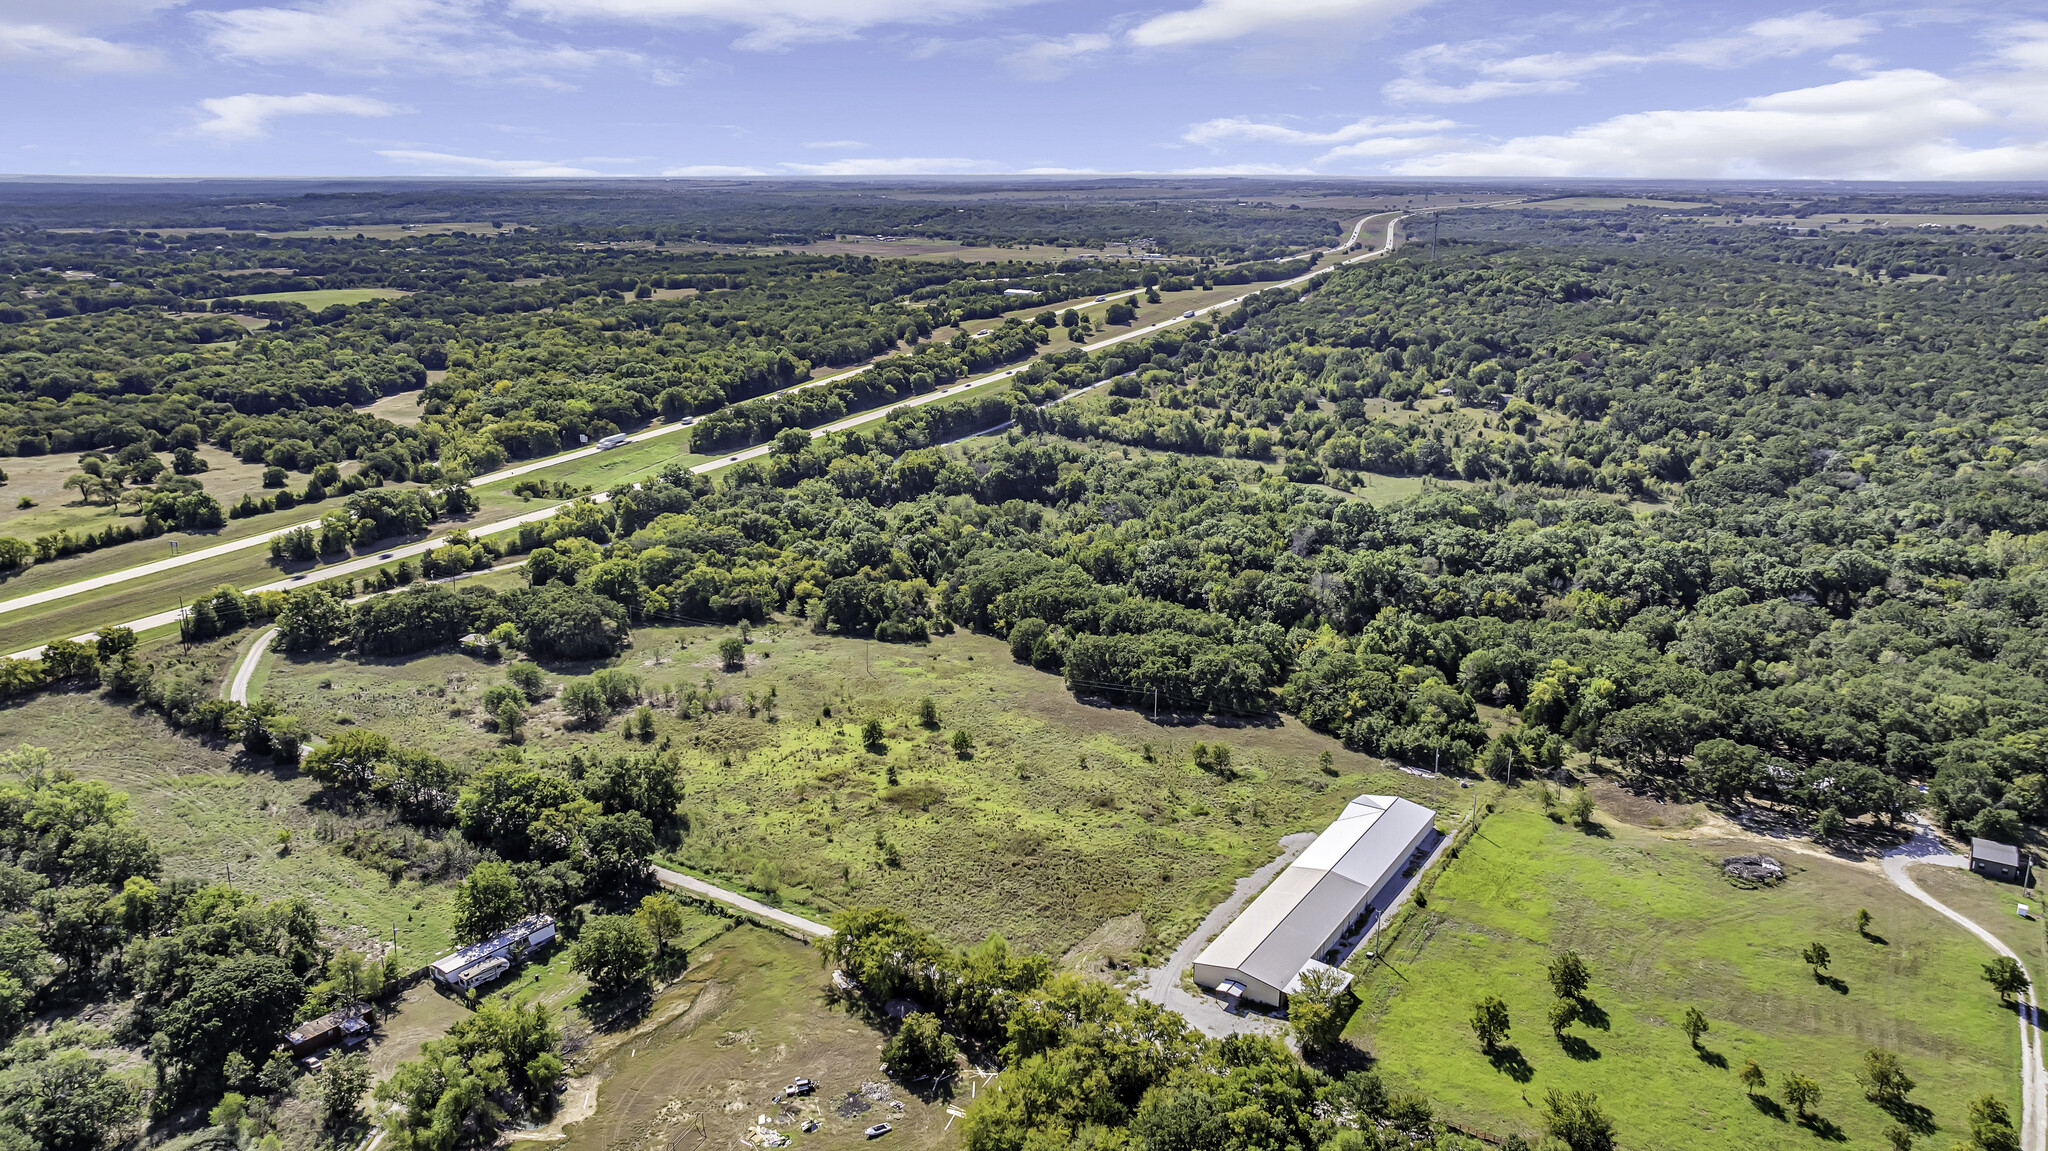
1062 816
1663 930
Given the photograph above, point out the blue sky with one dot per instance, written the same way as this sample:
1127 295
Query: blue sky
893 87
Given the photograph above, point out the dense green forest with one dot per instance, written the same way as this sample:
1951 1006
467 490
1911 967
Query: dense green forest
1196 218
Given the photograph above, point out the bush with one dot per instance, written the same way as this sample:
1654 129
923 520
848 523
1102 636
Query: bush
920 1047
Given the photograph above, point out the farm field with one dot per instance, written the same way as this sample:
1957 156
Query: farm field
1599 203
319 298
1664 930
1057 822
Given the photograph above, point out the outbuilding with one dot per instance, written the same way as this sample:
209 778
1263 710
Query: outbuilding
480 963
1321 905
1996 860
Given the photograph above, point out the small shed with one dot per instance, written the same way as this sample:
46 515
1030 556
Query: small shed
348 1027
1995 860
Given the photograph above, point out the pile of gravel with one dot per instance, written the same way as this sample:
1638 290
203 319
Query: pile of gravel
1754 869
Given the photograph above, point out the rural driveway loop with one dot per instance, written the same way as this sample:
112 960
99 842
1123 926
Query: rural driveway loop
1162 984
1925 848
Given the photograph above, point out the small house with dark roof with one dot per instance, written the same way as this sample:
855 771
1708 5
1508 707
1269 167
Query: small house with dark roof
1995 860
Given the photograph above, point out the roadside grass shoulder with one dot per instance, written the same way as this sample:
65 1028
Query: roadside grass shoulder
1664 931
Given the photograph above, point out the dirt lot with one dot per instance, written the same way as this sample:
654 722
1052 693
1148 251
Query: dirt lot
718 1047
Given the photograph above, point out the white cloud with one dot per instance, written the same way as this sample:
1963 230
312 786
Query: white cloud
1234 129
369 36
709 171
80 14
248 116
40 47
772 24
1902 124
1214 21
1778 37
447 164
902 166
1052 58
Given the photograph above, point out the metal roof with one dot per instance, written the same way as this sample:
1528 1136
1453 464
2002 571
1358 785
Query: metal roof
454 962
1281 929
1992 851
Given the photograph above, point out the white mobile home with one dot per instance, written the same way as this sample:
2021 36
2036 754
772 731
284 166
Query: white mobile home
480 963
1320 904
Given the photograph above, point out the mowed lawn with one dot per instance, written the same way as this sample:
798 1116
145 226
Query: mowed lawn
318 298
1663 930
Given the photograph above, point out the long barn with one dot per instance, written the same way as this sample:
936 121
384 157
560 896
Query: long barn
1319 904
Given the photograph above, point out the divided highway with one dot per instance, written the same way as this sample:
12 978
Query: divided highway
405 551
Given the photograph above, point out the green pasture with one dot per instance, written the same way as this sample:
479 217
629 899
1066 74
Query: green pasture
318 298
1664 930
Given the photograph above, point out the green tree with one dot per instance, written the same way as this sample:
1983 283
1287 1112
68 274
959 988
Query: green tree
584 699
661 914
1490 1022
1863 921
732 652
963 743
1800 1093
1884 1078
1991 1125
1816 957
1695 1025
529 679
928 713
2007 977
1580 809
871 735
67 1101
1752 1077
1576 1119
245 1004
510 720
1569 975
1317 1013
612 951
487 902
344 1080
1563 1013
920 1047
349 761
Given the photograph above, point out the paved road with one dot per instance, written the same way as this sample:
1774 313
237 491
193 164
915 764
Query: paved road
238 684
696 886
406 551
1925 848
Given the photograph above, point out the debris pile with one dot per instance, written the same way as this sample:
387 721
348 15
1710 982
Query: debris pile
1754 869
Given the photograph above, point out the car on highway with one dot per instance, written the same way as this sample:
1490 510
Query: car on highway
1100 299
387 555
1187 315
878 1130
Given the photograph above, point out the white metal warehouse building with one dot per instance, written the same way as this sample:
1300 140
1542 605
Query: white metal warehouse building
1321 902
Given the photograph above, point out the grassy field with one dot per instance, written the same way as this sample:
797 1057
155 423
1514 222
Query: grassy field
41 478
215 814
318 298
1663 930
1058 822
